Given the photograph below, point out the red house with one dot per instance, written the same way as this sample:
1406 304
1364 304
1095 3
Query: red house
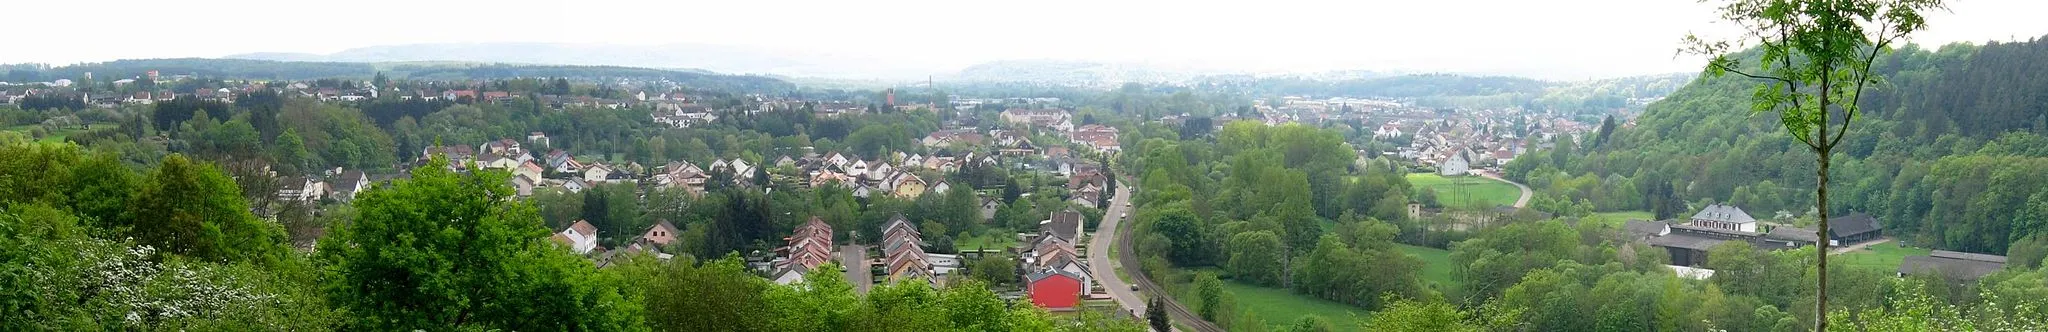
1054 290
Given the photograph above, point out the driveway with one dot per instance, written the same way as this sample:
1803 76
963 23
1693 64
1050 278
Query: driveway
855 259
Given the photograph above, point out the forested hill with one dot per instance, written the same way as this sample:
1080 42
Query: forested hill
1949 152
295 70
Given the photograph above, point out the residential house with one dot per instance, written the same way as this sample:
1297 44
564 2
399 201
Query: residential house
1457 165
503 147
346 185
661 234
862 190
989 205
523 186
906 185
1057 152
941 187
540 139
1054 290
1065 224
1084 179
1088 197
836 159
493 161
828 177
903 251
597 173
497 96
300 188
575 185
580 237
528 169
456 155
809 246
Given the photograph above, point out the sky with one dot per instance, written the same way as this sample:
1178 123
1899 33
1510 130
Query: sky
1562 39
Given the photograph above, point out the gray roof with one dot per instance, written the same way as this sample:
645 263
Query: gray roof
1853 224
1065 224
1793 234
1968 256
1724 213
1645 227
1687 241
1036 276
1952 265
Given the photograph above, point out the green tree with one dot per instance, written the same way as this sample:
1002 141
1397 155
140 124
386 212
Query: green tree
291 154
1155 314
1311 323
1419 316
1209 294
1257 257
451 251
994 270
1816 59
193 209
719 295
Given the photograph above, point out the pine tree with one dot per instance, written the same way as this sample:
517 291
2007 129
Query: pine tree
1155 313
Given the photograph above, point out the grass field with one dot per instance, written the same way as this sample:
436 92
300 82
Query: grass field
1279 307
1467 192
1436 266
53 136
1885 256
1619 217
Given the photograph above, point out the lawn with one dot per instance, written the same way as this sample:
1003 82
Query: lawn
1436 266
1467 192
1279 307
993 240
1884 256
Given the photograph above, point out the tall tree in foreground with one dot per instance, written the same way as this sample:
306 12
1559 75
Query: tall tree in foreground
1155 314
1815 60
447 251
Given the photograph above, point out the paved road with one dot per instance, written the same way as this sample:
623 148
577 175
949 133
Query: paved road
1519 203
855 259
1099 262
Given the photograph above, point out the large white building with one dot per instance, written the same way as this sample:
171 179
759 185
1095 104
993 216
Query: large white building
1455 166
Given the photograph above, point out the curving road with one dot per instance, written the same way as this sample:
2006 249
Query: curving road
1098 253
1519 203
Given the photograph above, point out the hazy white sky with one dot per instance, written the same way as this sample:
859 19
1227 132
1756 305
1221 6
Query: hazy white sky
1553 39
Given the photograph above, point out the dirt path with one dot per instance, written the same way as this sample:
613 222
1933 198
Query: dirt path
1855 247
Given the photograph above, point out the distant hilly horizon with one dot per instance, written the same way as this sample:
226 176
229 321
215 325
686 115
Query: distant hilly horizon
727 59
714 58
